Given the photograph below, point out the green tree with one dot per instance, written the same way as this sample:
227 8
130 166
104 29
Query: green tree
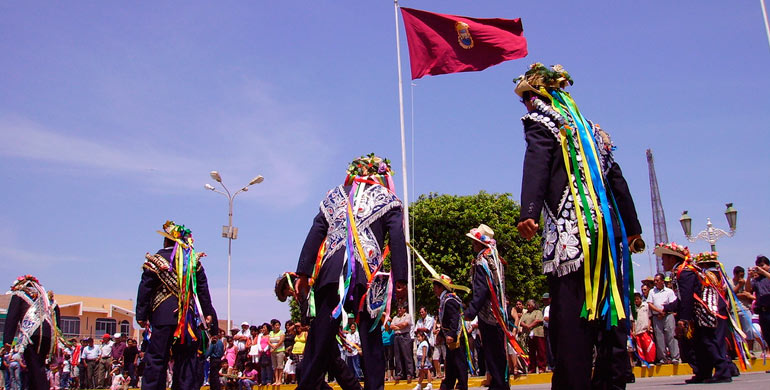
294 310
440 222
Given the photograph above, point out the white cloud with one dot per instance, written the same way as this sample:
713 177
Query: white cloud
254 135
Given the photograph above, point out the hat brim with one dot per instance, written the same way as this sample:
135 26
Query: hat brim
476 239
524 86
449 286
660 251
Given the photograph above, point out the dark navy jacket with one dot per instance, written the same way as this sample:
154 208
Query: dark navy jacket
450 319
17 309
166 313
545 178
391 223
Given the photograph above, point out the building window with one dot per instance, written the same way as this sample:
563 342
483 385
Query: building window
125 328
105 326
70 326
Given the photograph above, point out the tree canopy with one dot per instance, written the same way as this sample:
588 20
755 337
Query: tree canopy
439 224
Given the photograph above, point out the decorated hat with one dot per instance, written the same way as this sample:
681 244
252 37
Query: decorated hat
482 234
446 281
539 78
177 233
23 281
706 258
284 281
672 249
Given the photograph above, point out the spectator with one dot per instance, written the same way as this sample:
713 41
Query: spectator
532 323
423 361
288 342
513 358
299 348
215 353
130 355
231 354
663 322
647 285
103 369
249 377
16 366
118 346
66 370
426 324
277 351
91 356
253 345
745 300
352 349
241 339
641 324
439 350
387 342
402 344
759 285
265 361
117 380
546 319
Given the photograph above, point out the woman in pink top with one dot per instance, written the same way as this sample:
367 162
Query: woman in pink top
230 353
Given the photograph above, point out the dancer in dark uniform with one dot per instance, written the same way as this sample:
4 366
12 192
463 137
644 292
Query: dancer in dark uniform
177 315
342 259
31 320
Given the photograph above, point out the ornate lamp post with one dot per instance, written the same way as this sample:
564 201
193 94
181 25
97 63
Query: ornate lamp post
229 231
711 234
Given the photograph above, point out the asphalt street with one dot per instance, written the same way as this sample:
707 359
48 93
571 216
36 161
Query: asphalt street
747 381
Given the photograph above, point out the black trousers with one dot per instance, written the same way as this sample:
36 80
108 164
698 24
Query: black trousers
404 355
321 352
186 375
478 345
711 351
687 352
495 356
38 380
130 369
456 369
215 364
573 340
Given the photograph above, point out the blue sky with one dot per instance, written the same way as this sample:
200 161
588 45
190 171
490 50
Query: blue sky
112 115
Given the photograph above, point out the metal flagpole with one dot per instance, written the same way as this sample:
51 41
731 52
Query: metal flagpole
764 14
410 277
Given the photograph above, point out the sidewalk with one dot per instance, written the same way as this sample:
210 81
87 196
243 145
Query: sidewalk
757 365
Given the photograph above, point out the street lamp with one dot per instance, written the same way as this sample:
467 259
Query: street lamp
229 231
711 234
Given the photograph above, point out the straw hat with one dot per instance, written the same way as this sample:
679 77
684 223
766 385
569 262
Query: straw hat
482 234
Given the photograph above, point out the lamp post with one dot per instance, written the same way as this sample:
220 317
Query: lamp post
230 232
711 234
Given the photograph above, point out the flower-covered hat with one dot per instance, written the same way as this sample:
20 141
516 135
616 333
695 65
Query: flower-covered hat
482 234
370 167
672 249
22 282
539 78
706 258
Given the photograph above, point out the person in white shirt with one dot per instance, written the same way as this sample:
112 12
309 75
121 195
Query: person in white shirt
663 322
90 356
352 346
241 340
104 367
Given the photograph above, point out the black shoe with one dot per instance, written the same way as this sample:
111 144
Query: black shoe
631 379
718 380
694 379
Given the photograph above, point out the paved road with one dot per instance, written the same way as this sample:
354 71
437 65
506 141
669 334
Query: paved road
747 381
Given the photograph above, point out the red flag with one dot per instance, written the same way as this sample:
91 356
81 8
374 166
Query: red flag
440 44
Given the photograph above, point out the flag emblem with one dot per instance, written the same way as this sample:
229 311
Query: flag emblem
464 35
